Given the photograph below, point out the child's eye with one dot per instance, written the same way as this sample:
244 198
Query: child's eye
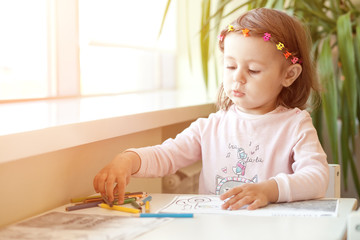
252 71
230 67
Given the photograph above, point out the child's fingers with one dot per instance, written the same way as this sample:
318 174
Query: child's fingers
110 188
241 202
99 183
232 200
226 205
95 184
256 204
116 193
232 196
231 192
120 188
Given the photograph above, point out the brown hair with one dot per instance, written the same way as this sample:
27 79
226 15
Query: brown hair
295 37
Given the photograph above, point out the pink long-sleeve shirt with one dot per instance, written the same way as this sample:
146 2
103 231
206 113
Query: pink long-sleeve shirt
237 148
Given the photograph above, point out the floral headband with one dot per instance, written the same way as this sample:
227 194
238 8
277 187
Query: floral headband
267 36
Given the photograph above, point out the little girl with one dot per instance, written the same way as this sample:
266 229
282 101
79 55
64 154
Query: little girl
261 146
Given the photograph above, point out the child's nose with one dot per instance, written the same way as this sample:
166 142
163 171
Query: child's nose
239 76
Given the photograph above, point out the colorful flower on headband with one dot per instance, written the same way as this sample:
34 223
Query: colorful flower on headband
267 37
280 46
294 60
230 28
287 54
245 32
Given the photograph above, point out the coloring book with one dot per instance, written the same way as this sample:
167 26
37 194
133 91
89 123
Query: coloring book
211 204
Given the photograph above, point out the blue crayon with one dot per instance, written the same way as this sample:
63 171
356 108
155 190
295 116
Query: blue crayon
147 199
166 215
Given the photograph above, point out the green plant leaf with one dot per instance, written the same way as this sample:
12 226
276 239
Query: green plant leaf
218 18
344 141
218 15
316 116
164 17
357 62
347 58
310 7
205 40
279 4
334 5
276 4
220 8
354 174
235 9
329 95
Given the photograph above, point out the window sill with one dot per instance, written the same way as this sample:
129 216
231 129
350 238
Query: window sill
32 128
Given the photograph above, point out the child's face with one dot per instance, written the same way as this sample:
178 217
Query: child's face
254 73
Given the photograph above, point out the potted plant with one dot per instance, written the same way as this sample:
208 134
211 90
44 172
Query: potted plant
335 30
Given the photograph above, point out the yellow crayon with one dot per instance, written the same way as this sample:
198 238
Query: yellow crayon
119 208
136 195
147 206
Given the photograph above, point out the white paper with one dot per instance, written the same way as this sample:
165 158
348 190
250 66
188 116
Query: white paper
61 226
212 204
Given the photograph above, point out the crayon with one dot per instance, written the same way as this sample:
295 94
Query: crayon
119 208
136 198
147 206
80 199
136 205
161 215
106 200
166 215
86 199
135 193
93 200
143 201
82 206
126 201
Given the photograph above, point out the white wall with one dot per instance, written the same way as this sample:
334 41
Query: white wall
36 184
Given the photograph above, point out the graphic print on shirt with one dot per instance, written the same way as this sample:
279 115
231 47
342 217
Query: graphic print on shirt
223 184
227 183
239 169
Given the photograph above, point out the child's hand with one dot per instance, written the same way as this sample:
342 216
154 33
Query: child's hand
255 195
114 177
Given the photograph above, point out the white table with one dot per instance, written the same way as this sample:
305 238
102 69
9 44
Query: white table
221 226
209 226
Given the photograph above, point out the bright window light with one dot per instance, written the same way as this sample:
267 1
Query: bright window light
23 49
67 48
119 46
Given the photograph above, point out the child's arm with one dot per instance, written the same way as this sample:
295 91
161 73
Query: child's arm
118 171
255 195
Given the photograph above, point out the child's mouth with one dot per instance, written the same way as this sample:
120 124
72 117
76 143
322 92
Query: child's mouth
238 93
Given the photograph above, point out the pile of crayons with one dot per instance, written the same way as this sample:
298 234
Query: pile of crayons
136 199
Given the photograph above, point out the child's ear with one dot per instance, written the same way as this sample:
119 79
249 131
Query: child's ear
291 74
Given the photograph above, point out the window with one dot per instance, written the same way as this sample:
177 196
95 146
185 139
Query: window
119 46
57 48
23 49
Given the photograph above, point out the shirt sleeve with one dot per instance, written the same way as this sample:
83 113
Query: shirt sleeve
171 155
311 171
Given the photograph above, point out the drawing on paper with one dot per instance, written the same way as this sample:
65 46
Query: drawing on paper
212 204
196 202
